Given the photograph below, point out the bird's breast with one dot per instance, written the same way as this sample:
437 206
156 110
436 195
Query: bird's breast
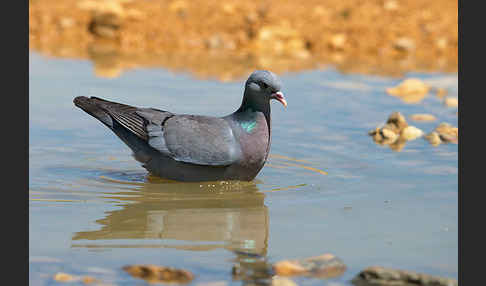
254 139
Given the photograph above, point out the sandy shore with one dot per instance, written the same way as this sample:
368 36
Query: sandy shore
228 39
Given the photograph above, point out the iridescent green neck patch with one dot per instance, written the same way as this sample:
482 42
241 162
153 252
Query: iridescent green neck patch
248 125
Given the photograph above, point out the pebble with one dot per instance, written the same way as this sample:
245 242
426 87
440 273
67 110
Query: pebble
338 41
63 277
89 280
396 122
389 134
433 138
422 117
322 266
404 44
411 133
411 86
156 274
377 275
444 133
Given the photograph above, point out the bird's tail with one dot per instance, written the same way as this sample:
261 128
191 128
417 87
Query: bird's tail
93 106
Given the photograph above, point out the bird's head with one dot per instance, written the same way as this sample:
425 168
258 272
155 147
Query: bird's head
261 87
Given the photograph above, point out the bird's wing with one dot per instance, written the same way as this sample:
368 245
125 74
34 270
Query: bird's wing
191 139
201 140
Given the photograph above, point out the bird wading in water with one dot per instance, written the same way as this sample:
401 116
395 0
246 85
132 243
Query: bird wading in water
185 147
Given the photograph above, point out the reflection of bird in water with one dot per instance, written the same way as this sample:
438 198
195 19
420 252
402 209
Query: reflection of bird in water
190 216
251 269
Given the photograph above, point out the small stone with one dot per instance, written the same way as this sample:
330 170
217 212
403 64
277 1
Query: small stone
442 43
63 277
396 122
89 280
404 44
422 117
377 275
447 129
447 133
388 135
451 102
288 268
106 25
433 138
282 281
323 266
155 274
411 133
338 41
411 86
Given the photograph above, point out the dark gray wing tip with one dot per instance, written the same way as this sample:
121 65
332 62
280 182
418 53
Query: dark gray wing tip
93 109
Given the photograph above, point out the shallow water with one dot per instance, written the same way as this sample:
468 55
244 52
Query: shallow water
93 209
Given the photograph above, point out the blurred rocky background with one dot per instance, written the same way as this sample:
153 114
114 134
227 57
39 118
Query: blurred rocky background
228 39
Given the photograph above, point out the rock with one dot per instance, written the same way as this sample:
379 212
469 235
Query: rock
89 280
411 133
433 138
288 268
323 266
446 128
388 134
451 102
383 136
338 41
64 277
444 133
105 25
422 117
410 90
447 133
155 274
396 122
377 275
282 281
404 44
442 43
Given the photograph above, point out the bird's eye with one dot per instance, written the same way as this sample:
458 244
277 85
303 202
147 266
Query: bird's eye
264 85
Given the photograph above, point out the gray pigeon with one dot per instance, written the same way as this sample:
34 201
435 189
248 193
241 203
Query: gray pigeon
185 147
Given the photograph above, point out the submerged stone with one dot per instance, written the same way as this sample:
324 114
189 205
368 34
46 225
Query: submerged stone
377 275
323 266
154 273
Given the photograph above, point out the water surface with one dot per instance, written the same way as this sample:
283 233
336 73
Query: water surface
93 209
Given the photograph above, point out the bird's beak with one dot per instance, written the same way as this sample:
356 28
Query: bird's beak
280 97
